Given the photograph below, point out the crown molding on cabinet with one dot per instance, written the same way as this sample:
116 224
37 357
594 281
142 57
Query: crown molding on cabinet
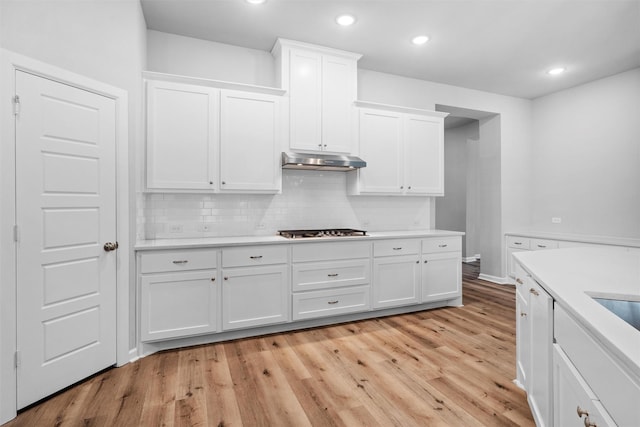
399 109
220 84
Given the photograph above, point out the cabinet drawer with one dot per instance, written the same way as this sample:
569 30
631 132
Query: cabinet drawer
518 242
330 274
539 244
309 305
304 252
396 247
441 244
604 376
254 255
179 260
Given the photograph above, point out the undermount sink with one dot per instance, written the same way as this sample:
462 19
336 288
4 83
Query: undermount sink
629 311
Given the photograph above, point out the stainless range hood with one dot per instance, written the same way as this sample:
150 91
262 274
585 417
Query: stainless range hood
330 162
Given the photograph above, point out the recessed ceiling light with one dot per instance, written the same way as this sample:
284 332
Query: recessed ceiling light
418 40
345 20
256 1
556 71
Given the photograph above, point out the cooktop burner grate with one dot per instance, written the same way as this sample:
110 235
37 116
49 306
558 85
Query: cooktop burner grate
330 232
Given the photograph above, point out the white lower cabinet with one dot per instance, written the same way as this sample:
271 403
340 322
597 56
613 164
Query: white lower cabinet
575 403
441 276
254 291
396 272
179 294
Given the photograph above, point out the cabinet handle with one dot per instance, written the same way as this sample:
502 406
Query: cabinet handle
256 257
517 243
523 314
397 249
226 278
333 275
542 246
418 262
426 261
181 261
409 188
325 145
402 187
332 302
320 145
211 182
442 246
533 291
589 423
213 279
581 412
224 182
519 280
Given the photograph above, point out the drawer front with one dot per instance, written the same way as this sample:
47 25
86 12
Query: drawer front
540 244
178 260
309 305
603 375
396 247
518 242
330 274
306 252
254 255
442 244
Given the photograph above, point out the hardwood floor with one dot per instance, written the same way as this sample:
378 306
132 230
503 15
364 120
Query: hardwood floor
443 367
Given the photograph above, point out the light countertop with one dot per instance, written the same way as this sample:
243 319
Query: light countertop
268 240
573 275
582 238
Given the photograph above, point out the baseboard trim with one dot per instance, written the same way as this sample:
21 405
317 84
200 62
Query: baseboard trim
469 259
494 279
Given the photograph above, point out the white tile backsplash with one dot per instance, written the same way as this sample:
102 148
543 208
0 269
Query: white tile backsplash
309 199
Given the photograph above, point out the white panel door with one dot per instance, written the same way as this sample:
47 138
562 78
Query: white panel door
182 133
249 142
305 100
424 155
441 276
338 95
396 281
66 211
381 146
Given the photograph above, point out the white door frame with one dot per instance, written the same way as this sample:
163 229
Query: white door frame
9 63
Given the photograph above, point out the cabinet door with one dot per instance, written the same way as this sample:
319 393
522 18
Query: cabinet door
380 137
178 304
523 340
249 142
305 100
181 136
338 95
541 323
441 276
396 281
255 296
424 155
574 401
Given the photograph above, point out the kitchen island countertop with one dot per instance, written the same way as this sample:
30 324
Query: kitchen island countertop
206 242
572 276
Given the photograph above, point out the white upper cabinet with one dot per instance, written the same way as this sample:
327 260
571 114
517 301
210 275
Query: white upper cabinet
249 142
181 136
205 135
404 151
322 87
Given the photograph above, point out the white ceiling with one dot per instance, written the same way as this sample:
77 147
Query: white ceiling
501 46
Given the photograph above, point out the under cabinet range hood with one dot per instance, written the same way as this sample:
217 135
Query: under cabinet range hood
328 162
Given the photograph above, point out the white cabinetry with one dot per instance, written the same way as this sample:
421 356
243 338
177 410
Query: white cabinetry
322 86
404 151
396 272
519 244
255 286
179 293
534 338
441 269
203 135
330 279
182 123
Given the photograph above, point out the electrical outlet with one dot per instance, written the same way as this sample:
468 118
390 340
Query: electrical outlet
556 220
176 228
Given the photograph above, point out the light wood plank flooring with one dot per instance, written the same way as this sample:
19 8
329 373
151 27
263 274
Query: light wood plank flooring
443 367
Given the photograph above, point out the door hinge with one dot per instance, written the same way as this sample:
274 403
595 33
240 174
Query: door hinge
16 236
16 105
18 358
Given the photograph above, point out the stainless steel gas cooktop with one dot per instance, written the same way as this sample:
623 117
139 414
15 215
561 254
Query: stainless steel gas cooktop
328 232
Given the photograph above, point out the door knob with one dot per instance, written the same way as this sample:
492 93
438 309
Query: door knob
110 246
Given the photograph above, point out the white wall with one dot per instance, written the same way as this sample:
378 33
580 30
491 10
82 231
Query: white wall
586 158
101 39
